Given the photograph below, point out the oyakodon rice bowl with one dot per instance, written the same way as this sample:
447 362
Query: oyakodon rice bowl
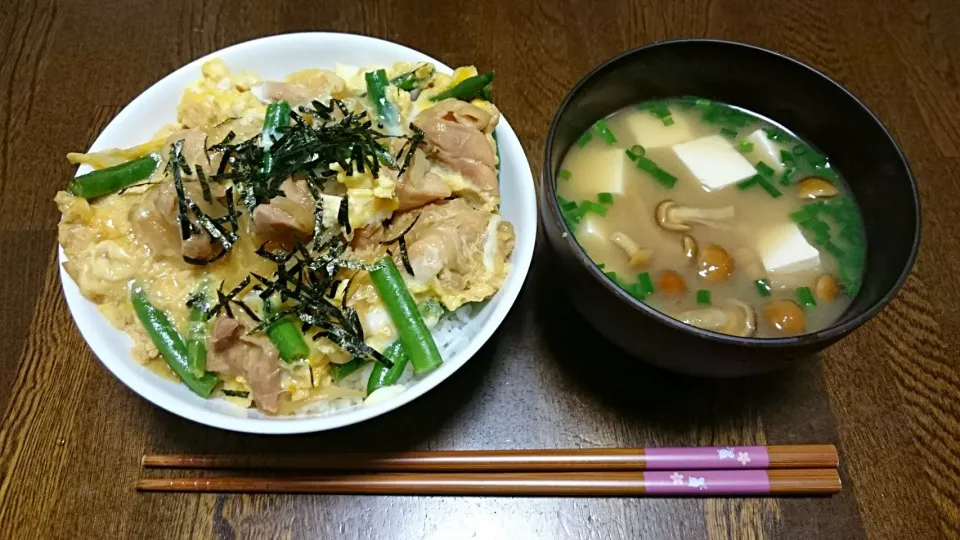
296 226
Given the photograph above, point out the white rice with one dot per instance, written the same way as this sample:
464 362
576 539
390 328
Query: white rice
451 334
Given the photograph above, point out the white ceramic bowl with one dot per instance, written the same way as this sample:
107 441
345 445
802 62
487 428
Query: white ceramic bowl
274 57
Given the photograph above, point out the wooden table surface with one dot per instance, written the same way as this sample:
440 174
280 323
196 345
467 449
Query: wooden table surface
888 396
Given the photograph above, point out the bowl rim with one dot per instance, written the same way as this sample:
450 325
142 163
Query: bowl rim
130 373
828 334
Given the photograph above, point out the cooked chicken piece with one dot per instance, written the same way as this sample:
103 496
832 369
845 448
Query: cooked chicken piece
465 113
238 354
321 82
367 238
455 137
418 187
456 250
450 139
268 91
194 150
286 217
155 221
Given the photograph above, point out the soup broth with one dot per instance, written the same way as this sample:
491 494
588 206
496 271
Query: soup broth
715 216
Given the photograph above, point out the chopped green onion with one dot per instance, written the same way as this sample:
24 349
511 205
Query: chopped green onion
748 182
853 287
764 169
634 290
799 216
601 128
668 121
703 297
605 198
658 109
786 158
768 187
805 297
815 224
564 174
745 146
663 177
728 132
645 283
584 139
590 206
703 103
636 151
601 266
787 173
833 249
763 286
612 276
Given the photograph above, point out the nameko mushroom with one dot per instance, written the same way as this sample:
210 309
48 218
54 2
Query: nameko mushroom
677 217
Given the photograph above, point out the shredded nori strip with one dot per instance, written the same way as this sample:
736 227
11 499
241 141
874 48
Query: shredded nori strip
215 230
224 299
213 226
401 240
343 215
186 227
404 256
402 234
236 393
204 185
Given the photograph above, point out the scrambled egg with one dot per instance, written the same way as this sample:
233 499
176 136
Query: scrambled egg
220 96
370 200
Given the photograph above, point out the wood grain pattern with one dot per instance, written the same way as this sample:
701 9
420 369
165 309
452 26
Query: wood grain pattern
888 396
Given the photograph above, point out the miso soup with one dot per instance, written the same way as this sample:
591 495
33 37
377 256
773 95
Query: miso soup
715 216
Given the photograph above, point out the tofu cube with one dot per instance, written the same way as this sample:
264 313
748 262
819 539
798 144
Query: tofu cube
595 172
714 162
647 130
784 249
764 150
592 231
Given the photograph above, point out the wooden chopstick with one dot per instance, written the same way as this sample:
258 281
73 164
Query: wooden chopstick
778 482
570 460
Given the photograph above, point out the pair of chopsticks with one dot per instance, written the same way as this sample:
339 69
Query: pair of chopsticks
598 472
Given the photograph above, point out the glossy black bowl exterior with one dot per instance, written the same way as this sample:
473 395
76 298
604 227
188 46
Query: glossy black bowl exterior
791 93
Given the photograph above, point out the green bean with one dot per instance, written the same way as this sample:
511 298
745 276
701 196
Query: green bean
169 342
416 338
112 179
388 376
418 78
197 341
286 336
341 371
275 122
387 113
468 89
